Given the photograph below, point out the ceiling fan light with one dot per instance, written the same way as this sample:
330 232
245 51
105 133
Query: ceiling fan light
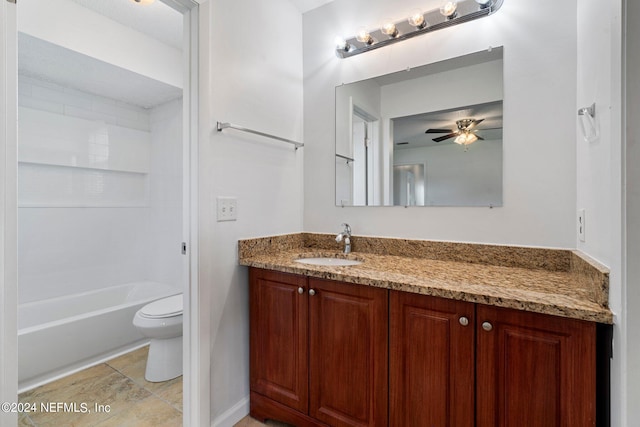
466 138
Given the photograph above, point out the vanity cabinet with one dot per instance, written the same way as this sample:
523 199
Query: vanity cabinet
318 351
452 362
326 353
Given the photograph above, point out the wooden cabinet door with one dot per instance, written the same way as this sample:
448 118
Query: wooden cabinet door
534 370
431 361
279 337
348 354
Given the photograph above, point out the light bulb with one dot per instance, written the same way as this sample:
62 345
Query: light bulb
417 19
466 138
341 43
143 2
389 28
363 36
484 3
449 9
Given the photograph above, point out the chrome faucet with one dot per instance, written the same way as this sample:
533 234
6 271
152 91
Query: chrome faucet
346 235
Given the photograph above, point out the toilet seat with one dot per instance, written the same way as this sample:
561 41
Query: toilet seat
163 308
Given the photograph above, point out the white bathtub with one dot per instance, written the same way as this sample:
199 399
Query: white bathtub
61 335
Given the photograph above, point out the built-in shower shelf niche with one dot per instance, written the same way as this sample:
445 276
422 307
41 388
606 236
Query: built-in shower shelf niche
42 185
72 162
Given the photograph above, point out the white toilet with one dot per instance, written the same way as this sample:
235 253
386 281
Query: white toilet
161 321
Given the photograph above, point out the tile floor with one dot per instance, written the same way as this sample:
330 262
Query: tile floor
119 383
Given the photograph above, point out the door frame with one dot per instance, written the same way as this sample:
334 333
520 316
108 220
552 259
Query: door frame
8 209
196 388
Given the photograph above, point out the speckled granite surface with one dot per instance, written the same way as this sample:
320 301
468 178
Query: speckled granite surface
558 282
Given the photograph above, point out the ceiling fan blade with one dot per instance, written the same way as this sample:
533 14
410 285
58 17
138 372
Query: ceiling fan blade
475 123
442 138
437 131
479 137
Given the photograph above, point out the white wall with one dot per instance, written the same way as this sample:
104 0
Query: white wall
455 177
597 168
539 87
599 177
165 194
254 68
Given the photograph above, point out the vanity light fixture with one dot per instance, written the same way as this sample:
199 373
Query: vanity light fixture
418 22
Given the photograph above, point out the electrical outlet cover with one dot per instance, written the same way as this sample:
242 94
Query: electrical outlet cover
581 225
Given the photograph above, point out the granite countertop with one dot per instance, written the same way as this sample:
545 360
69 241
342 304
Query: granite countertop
550 281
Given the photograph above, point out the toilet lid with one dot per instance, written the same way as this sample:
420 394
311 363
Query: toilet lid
165 307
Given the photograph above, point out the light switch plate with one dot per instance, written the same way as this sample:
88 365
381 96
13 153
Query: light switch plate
227 208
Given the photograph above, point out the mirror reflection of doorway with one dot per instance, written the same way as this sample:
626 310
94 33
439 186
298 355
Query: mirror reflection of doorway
364 143
409 184
360 156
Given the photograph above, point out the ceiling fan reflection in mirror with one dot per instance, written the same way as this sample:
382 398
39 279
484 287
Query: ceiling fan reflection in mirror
464 135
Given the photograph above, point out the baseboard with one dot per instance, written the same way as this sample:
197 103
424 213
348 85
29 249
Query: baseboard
232 415
48 377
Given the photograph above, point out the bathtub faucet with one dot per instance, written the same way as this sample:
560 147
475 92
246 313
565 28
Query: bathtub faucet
346 235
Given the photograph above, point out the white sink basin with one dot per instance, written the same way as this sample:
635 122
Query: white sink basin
328 261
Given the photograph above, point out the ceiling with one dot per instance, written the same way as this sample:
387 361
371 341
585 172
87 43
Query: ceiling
307 5
157 20
412 129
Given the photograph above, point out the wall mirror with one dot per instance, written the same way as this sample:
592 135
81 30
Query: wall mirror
426 136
